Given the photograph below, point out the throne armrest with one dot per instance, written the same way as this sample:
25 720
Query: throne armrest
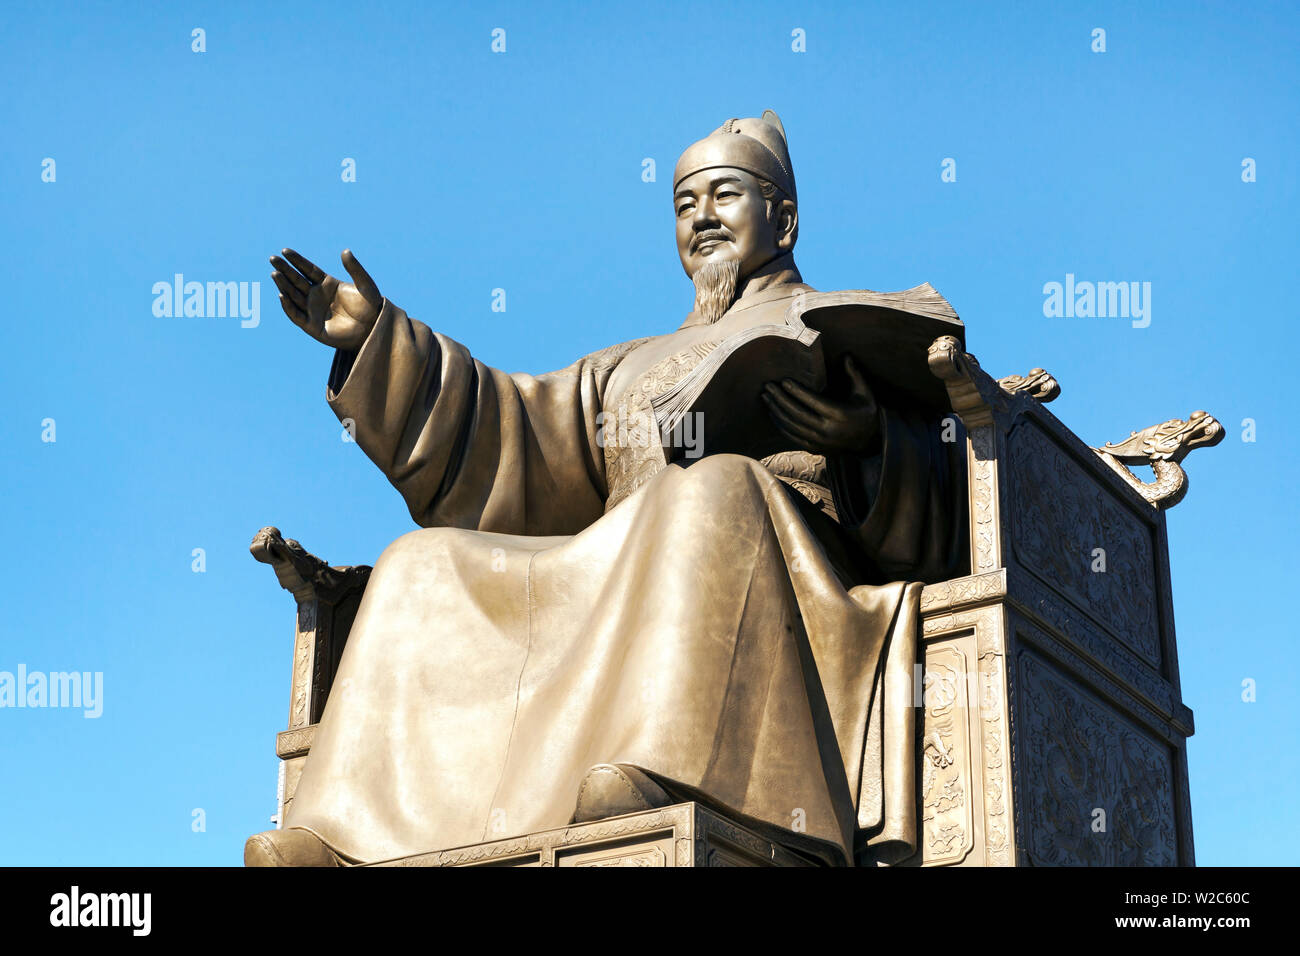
327 599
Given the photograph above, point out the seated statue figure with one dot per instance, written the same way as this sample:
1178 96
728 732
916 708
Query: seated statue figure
581 628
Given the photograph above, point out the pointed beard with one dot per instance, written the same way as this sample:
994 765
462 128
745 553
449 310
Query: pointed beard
715 288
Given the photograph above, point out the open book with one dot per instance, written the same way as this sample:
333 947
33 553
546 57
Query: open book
717 408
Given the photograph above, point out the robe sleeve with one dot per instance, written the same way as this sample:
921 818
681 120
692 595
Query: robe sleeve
906 505
469 446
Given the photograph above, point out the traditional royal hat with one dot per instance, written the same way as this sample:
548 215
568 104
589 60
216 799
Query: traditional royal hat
755 145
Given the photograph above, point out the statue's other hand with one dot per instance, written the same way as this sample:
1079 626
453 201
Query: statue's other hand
824 424
340 314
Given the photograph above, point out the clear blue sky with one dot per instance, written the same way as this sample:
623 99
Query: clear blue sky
523 171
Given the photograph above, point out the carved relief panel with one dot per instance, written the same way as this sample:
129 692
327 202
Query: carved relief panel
1078 538
1096 789
964 792
947 790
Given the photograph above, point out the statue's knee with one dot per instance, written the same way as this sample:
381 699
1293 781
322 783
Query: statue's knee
729 471
732 484
416 548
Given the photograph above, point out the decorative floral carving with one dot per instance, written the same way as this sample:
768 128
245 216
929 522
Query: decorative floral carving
303 647
798 466
633 449
1075 627
974 589
295 743
1081 758
608 358
945 759
645 856
997 843
1062 516
984 497
986 623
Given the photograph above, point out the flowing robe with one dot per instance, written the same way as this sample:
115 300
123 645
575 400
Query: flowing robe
745 633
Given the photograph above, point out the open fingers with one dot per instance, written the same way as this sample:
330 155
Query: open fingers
295 314
289 291
304 265
361 279
290 273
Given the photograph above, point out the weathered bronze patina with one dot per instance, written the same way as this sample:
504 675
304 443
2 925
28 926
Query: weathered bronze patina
581 629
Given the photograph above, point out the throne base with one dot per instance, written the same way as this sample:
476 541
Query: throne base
685 834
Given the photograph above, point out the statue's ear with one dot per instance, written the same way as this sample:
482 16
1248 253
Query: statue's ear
787 224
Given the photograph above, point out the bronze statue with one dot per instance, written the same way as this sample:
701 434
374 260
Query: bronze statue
581 628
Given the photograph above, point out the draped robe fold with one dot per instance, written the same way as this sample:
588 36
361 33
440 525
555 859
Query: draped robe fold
568 603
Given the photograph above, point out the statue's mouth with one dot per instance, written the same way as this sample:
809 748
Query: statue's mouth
706 241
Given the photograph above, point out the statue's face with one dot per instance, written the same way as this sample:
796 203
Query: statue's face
721 214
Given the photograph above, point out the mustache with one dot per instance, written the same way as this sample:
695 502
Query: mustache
706 235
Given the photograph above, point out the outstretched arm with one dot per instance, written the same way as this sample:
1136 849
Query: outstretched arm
466 445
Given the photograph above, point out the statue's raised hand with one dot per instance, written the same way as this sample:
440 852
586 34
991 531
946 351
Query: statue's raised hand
340 314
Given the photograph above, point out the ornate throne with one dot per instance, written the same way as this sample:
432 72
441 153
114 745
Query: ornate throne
1052 729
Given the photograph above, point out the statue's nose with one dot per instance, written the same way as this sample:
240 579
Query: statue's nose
705 214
